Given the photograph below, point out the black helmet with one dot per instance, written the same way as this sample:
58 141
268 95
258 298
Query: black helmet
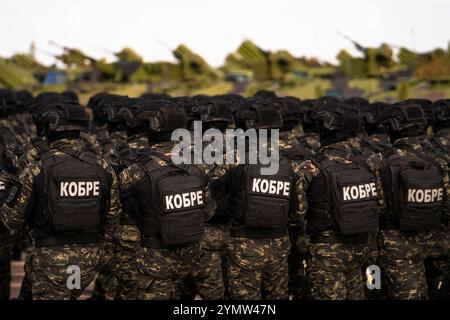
290 108
371 117
61 117
307 109
258 114
442 113
156 96
8 102
165 116
265 95
357 102
45 102
427 107
404 115
233 101
213 111
338 117
94 104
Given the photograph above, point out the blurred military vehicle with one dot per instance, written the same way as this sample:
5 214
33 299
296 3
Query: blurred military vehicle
387 72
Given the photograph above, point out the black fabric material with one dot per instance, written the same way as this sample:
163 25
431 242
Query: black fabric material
253 212
410 180
342 197
159 216
74 196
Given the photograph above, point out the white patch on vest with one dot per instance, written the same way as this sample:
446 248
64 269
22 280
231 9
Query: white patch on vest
425 195
2 185
271 186
183 200
79 189
359 192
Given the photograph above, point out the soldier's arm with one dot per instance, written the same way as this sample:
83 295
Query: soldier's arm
305 171
113 214
129 179
20 201
446 180
376 162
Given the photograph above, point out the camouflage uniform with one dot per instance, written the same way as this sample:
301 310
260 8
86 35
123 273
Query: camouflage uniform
48 265
402 254
300 145
127 235
336 262
160 269
437 266
107 282
210 274
5 242
259 266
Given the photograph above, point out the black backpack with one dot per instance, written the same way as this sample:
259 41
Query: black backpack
177 195
76 191
350 193
416 191
267 197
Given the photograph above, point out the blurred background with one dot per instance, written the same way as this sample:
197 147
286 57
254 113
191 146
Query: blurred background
382 50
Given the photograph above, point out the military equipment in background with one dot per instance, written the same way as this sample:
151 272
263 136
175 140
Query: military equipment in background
193 66
376 62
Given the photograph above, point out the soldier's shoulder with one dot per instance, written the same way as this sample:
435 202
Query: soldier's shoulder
307 168
130 175
376 160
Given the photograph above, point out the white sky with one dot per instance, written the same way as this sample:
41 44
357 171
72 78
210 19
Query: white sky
214 28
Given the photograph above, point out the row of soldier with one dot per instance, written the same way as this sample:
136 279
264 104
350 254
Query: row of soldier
92 187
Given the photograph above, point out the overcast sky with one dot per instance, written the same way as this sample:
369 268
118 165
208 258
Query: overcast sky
214 28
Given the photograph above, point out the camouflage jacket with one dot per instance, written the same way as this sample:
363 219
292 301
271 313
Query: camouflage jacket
16 213
309 142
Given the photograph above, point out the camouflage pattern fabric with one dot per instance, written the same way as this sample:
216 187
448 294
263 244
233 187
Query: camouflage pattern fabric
49 275
334 271
45 279
402 257
161 269
208 269
257 267
5 264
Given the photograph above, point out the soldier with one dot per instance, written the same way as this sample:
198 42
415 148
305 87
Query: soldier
69 199
152 191
127 235
210 273
8 181
340 199
416 185
259 242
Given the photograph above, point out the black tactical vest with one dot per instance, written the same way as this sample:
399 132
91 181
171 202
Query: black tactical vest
259 205
75 198
343 197
171 211
415 191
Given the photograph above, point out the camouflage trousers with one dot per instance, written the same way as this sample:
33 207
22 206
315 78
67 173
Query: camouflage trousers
298 256
258 268
49 270
437 268
118 277
208 274
402 257
335 271
5 266
161 271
